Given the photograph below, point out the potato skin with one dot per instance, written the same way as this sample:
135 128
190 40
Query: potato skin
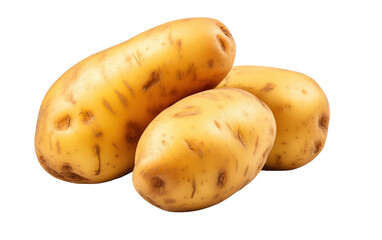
299 105
92 117
203 149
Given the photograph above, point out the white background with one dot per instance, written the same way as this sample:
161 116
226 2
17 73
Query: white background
337 196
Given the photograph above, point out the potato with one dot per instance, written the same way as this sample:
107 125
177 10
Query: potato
299 105
92 117
203 149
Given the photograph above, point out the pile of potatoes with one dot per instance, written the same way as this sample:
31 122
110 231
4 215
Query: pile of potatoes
169 106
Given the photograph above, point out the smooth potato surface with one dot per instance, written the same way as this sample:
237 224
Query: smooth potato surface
203 149
300 108
92 117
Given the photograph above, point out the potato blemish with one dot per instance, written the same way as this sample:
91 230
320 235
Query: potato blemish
222 179
323 122
317 147
268 87
240 138
217 124
98 151
222 42
224 29
108 106
129 87
153 79
193 188
194 148
63 123
86 117
278 160
158 184
211 63
187 111
122 98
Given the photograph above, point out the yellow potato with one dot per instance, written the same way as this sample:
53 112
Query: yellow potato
299 105
92 117
203 149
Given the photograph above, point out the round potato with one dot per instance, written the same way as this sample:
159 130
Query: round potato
92 117
203 149
300 108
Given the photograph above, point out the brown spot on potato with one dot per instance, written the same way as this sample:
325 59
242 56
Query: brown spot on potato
108 106
129 87
194 148
222 179
246 171
224 29
138 57
153 79
256 144
193 188
278 161
211 63
268 87
187 111
222 42
97 134
217 125
122 98
158 184
98 151
240 138
67 175
323 122
86 116
66 167
179 44
303 91
63 123
133 132
317 146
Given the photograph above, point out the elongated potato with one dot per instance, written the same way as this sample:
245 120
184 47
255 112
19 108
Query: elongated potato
299 105
92 117
203 149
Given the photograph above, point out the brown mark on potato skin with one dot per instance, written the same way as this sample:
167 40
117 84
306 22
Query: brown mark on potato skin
268 87
266 152
208 95
193 188
224 29
107 105
217 124
303 91
187 111
66 175
86 116
153 79
211 63
66 167
63 123
278 161
179 44
157 185
133 132
317 147
222 42
222 179
122 98
98 151
129 87
138 58
246 171
323 122
240 138
256 144
194 148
